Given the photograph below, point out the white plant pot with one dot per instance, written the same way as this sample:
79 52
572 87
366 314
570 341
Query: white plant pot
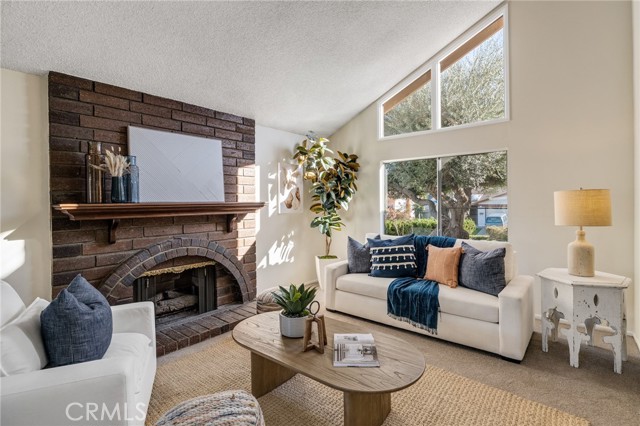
321 266
292 327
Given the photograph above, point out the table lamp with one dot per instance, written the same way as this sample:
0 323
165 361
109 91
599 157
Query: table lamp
582 207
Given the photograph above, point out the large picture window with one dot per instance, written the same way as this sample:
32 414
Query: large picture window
463 196
462 86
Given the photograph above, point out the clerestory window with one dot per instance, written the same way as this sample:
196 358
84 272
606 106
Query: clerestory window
462 86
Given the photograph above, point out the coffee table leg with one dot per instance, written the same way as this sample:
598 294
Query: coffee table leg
267 375
366 409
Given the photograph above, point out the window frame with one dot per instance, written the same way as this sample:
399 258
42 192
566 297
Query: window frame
382 173
433 65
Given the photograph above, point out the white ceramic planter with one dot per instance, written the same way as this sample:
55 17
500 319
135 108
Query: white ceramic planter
292 327
321 265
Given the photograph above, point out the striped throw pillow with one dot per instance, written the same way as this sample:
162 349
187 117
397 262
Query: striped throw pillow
393 258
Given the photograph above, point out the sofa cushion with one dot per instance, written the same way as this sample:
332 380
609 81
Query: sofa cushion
77 325
393 258
510 265
365 285
468 303
442 265
131 345
358 257
22 349
12 305
458 301
482 270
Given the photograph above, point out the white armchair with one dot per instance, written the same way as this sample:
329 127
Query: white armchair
114 390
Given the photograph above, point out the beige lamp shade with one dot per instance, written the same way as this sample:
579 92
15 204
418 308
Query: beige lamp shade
583 207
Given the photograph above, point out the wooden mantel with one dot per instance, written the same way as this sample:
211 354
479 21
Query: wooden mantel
115 212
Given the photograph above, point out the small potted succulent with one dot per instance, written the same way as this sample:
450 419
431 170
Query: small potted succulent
294 303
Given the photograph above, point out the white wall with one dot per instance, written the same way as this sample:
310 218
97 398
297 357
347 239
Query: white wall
571 126
25 246
636 97
285 244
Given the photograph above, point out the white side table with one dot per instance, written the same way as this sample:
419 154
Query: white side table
588 301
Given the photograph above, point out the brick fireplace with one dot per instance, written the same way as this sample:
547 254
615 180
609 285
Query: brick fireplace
83 111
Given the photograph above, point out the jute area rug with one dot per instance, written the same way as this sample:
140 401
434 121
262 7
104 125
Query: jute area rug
438 398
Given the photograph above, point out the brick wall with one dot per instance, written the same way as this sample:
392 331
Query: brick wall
81 111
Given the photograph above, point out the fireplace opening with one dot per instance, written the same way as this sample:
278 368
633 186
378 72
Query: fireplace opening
178 292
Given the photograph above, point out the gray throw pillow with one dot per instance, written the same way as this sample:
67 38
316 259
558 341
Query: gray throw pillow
76 326
358 257
482 270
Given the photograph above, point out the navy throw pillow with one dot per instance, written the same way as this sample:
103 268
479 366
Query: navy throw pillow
76 326
482 270
393 258
358 257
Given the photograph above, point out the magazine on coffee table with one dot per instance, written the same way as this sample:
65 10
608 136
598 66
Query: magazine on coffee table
354 350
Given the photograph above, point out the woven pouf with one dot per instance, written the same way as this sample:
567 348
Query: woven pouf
265 302
235 407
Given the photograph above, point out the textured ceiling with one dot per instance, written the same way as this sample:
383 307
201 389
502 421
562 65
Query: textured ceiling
294 66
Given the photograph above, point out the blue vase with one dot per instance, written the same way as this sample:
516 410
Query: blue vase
132 181
118 193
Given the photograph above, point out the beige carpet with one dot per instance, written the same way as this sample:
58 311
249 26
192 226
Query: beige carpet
438 398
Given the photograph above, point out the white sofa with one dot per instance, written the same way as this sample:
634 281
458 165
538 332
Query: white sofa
502 325
114 390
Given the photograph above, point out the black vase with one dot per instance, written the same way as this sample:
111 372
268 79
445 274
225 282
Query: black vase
118 193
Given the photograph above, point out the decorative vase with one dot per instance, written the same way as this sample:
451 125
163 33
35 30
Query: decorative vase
93 160
292 327
132 181
118 193
321 266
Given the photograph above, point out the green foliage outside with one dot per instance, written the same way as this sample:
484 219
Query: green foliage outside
420 226
472 90
461 176
497 233
410 226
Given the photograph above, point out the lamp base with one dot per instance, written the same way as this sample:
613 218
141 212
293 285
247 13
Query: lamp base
580 256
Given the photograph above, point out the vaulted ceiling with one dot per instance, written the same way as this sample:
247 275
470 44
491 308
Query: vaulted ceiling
294 66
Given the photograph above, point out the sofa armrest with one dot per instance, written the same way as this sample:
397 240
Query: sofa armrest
332 272
135 318
515 316
70 394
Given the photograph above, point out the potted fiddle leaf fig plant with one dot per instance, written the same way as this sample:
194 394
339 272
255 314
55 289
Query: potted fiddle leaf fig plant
294 302
333 184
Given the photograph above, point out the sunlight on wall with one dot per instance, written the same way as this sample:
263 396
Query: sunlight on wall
13 254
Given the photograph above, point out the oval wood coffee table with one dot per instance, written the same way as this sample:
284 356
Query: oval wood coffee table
367 390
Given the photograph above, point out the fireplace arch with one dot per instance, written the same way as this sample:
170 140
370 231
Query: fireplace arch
117 285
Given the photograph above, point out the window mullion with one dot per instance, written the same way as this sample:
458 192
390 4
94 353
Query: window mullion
435 96
439 193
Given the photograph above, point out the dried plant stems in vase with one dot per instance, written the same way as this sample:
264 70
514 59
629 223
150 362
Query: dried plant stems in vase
117 166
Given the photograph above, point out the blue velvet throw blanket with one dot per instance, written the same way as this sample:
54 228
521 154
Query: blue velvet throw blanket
415 300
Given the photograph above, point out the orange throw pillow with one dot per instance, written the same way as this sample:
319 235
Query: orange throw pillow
442 265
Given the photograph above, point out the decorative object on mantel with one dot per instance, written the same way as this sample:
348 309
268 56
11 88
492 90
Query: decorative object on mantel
321 330
583 207
333 184
177 167
132 181
294 303
116 166
94 172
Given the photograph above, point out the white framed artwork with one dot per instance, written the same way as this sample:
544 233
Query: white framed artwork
289 188
177 168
